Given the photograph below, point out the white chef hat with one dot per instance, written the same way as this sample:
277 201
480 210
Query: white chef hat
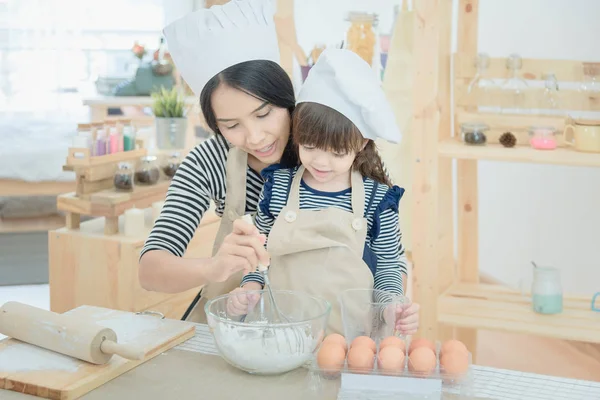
207 41
340 79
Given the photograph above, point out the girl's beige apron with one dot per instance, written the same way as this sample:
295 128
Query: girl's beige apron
320 251
235 207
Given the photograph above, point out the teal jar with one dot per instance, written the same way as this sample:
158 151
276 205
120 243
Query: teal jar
546 291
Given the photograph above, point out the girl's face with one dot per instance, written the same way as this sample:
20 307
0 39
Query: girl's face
259 128
326 167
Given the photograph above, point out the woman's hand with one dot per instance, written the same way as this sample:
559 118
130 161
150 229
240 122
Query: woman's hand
241 300
405 317
241 250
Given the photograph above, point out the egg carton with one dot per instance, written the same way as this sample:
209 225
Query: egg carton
404 381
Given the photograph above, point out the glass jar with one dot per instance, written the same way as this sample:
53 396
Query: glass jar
147 171
123 178
171 165
546 291
473 133
361 36
542 137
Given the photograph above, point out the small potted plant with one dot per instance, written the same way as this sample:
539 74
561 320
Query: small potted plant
171 122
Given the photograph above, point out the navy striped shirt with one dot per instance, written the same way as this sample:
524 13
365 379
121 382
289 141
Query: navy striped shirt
383 234
199 180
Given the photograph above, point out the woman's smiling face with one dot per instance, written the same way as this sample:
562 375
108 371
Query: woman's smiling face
257 127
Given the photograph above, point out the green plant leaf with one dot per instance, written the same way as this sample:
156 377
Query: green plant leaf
167 103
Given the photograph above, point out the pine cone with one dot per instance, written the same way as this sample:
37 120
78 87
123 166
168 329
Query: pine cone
507 139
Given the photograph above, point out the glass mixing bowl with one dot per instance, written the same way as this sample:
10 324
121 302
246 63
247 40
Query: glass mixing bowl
256 342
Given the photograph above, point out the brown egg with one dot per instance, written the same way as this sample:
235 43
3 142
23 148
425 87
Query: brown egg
422 360
454 363
452 345
364 341
360 359
337 339
331 357
394 341
391 360
422 342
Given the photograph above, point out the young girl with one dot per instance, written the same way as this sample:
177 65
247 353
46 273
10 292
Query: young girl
332 223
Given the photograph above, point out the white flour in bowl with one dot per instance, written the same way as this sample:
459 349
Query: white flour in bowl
281 350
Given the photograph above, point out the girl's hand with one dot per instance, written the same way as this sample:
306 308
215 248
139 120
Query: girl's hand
407 320
404 317
241 301
241 250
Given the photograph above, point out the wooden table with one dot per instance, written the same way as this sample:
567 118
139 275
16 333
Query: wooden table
192 371
181 375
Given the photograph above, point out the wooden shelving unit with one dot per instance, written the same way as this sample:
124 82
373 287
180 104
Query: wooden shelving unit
454 303
96 195
495 307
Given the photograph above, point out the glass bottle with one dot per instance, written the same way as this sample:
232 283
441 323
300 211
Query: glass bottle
515 87
550 102
546 290
115 141
590 87
361 36
123 179
128 135
100 142
85 131
478 91
147 172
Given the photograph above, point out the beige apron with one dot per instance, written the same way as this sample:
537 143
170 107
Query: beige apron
320 251
235 207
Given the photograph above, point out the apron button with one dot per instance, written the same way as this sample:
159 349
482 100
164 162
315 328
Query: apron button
290 216
232 215
357 224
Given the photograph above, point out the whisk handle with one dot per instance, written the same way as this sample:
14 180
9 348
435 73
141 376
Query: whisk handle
261 267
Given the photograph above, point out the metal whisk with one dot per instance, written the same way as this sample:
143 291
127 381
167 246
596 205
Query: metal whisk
276 316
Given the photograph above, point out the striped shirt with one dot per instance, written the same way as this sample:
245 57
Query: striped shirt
199 180
383 234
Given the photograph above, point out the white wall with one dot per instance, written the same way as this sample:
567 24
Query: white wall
528 212
550 214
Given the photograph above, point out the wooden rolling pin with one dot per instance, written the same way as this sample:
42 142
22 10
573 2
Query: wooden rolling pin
84 340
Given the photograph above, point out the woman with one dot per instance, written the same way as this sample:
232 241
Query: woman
228 55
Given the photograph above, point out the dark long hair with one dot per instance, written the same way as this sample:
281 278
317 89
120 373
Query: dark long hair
263 79
319 126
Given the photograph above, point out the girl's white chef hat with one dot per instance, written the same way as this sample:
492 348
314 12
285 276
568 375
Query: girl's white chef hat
340 79
207 41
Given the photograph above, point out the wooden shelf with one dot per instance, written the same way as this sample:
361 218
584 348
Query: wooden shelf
111 202
494 152
495 307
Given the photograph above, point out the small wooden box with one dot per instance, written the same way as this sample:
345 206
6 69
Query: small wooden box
88 267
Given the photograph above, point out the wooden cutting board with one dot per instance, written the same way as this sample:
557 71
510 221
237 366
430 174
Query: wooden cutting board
30 369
